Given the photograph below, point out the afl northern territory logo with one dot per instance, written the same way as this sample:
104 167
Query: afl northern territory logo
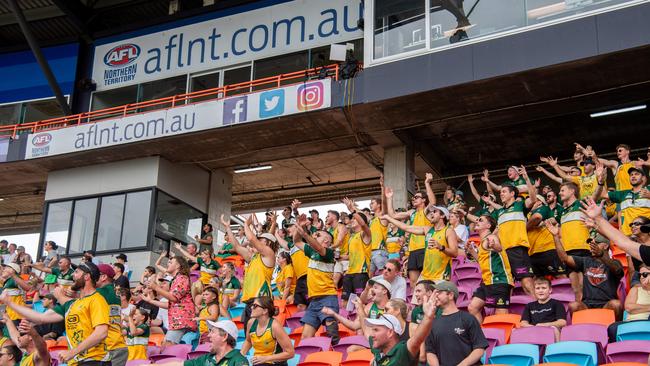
122 55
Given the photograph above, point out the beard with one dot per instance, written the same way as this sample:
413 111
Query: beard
78 284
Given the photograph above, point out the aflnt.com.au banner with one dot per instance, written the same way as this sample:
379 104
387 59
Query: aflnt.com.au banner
273 103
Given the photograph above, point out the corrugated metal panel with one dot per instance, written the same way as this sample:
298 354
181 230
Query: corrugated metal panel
25 5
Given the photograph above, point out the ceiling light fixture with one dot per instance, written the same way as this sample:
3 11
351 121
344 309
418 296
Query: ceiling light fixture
617 111
252 169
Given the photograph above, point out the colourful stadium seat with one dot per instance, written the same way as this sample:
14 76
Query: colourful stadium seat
156 339
625 351
345 342
329 358
495 337
314 344
518 303
365 355
625 364
541 336
507 322
589 333
576 352
515 354
634 330
594 316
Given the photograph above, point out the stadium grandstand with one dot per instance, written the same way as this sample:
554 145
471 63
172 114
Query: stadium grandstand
324 182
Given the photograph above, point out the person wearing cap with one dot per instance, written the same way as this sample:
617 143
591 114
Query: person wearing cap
354 281
634 202
320 280
86 319
515 179
14 287
261 263
543 256
457 338
208 269
122 258
496 273
442 243
620 168
115 344
26 338
512 231
63 272
416 217
602 274
588 182
385 332
223 340
206 239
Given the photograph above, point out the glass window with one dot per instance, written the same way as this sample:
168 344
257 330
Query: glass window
176 220
83 225
161 89
235 76
10 114
399 27
204 82
42 110
278 65
115 97
57 223
110 222
136 219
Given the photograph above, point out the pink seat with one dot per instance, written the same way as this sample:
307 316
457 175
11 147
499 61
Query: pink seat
517 290
467 269
324 343
518 303
174 351
346 342
203 347
495 337
170 359
595 333
137 362
304 351
196 354
293 321
464 294
541 336
470 280
628 351
153 350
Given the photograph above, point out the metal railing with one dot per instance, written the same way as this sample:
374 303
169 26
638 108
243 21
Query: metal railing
272 82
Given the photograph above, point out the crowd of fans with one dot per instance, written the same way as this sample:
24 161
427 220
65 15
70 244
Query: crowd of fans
392 269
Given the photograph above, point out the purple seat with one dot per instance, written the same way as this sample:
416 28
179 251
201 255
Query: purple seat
464 294
164 358
467 269
628 351
137 362
170 359
196 354
518 303
471 280
174 351
541 336
293 321
153 350
517 290
324 343
495 337
587 332
304 351
203 347
194 276
345 342
562 286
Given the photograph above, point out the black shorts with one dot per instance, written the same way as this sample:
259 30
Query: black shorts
495 296
300 295
578 253
353 283
547 263
416 260
519 262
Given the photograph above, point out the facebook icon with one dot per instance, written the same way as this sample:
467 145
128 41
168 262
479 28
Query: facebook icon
235 110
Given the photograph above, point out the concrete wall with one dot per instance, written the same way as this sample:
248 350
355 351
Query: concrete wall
185 182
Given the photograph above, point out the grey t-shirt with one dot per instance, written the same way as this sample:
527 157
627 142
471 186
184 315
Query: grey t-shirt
454 336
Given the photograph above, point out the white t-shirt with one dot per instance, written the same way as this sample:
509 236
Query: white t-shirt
397 287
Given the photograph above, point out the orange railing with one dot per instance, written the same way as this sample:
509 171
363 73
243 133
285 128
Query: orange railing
331 71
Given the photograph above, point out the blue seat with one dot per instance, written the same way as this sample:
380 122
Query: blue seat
634 331
241 335
294 361
580 353
237 310
515 354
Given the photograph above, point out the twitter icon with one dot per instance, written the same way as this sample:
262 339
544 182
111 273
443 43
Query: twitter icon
272 103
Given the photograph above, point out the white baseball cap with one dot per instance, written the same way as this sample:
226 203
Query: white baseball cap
388 321
268 236
381 281
225 325
443 210
13 266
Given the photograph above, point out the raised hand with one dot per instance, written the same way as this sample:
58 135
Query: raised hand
388 192
590 208
429 306
470 178
381 179
428 178
349 203
295 204
601 171
552 161
552 226
538 182
223 221
486 175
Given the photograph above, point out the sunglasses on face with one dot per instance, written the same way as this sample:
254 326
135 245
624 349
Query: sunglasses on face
388 269
417 196
633 224
255 306
644 274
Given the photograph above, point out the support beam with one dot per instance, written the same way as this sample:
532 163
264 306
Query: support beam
42 62
398 173
76 11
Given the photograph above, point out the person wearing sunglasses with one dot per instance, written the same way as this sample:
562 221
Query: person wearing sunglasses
10 356
30 342
637 302
271 344
642 238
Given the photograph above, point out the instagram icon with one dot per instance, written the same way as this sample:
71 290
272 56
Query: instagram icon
310 96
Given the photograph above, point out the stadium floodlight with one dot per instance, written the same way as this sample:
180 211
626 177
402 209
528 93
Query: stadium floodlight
252 169
619 110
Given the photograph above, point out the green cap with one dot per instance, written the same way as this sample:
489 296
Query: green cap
447 286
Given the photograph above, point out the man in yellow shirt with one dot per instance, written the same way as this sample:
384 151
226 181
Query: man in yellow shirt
634 202
86 319
357 276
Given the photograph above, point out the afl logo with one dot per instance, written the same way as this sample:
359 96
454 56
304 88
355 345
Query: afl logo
122 55
41 139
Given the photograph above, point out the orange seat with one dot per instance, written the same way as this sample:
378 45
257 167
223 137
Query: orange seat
556 364
594 316
281 305
50 343
62 342
291 309
296 335
507 322
363 355
330 358
157 339
58 347
343 331
238 322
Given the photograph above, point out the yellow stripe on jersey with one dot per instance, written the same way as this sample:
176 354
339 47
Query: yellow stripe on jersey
418 218
573 230
379 233
320 273
495 267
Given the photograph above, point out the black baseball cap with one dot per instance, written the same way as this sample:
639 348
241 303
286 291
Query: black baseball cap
121 256
635 169
90 268
587 161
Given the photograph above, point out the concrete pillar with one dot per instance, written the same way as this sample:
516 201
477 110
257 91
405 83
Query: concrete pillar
399 165
219 202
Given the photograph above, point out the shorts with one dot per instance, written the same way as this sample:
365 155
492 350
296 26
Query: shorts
341 266
300 295
313 315
175 336
119 356
519 262
578 253
416 260
547 263
495 296
353 283
378 260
